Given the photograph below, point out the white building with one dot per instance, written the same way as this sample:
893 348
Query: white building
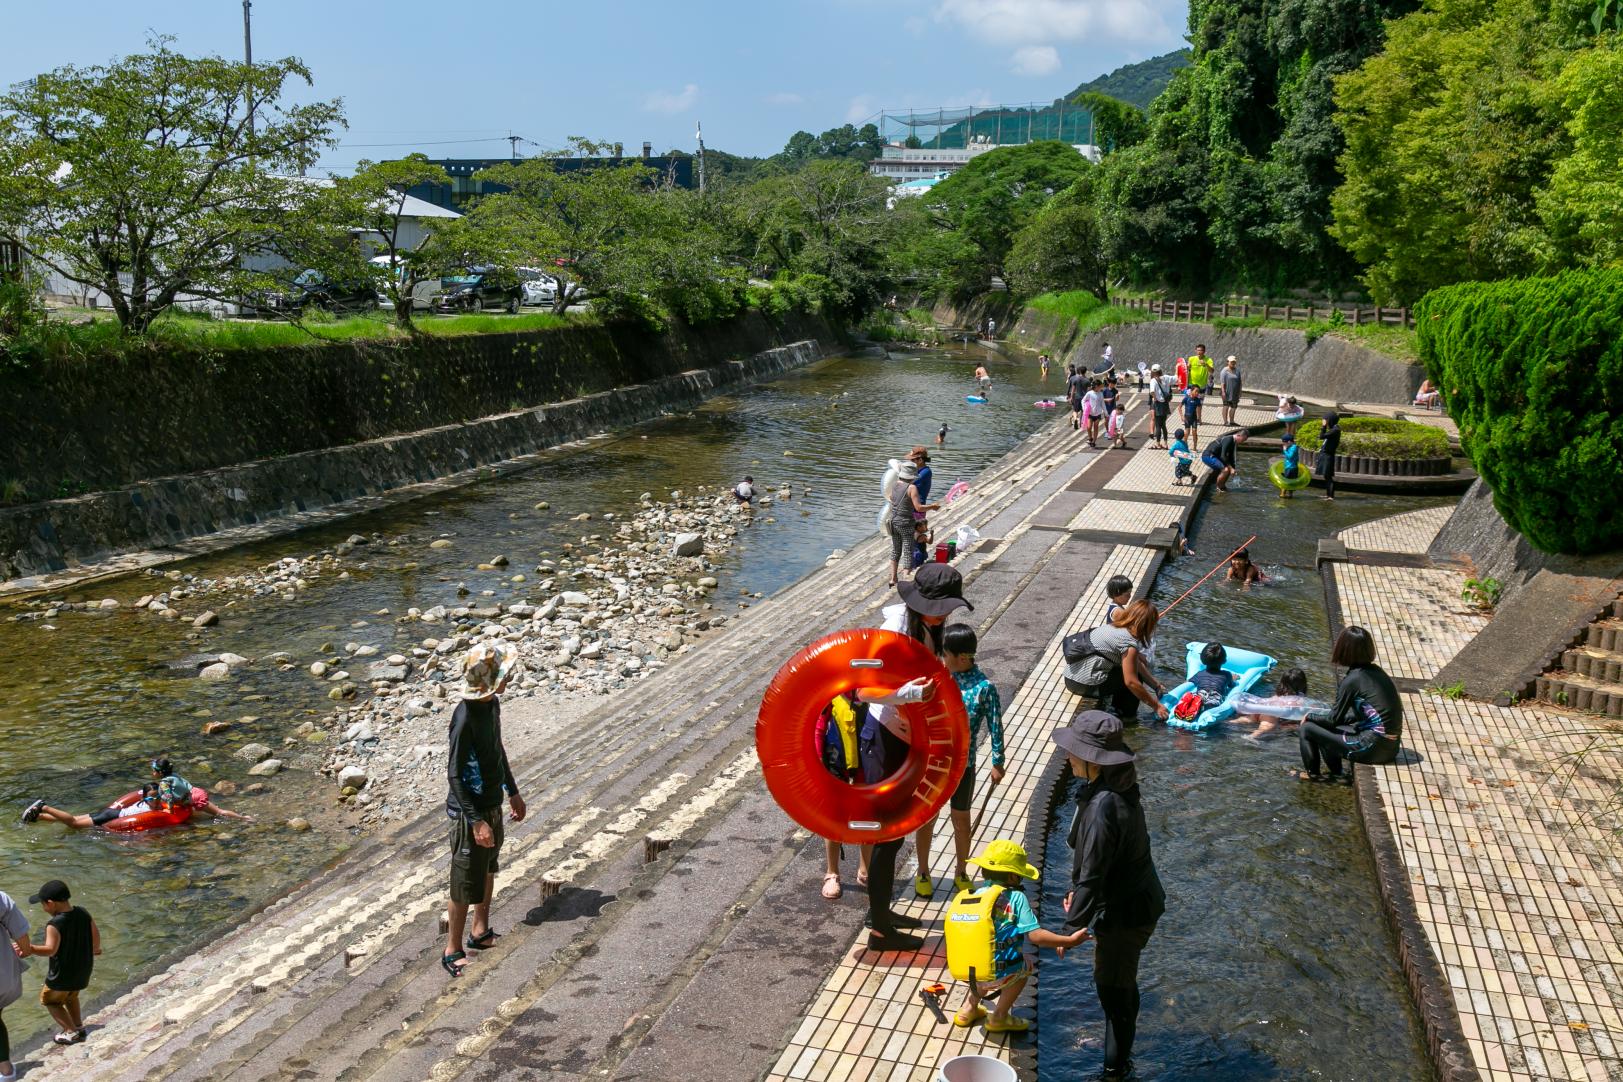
902 163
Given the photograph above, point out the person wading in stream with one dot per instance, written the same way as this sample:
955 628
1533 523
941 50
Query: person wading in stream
478 772
1115 892
934 593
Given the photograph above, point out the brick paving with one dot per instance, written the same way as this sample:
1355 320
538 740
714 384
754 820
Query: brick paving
1151 471
1123 516
1410 533
1420 621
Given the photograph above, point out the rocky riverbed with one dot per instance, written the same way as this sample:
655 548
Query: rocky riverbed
587 617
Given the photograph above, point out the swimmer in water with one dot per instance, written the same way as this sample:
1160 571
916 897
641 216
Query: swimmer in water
1042 361
941 436
984 378
1243 571
166 790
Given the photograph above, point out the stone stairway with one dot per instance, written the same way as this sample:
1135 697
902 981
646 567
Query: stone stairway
339 979
1589 675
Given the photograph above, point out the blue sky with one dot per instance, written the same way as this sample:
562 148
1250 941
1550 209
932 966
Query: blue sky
452 78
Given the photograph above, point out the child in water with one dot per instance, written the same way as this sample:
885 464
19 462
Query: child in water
1117 430
1243 571
1214 682
1182 459
1291 685
1292 455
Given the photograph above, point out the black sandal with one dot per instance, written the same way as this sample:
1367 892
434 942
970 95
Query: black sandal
449 962
483 941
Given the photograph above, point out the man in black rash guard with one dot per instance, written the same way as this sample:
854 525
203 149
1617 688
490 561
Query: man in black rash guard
1219 455
478 773
1366 723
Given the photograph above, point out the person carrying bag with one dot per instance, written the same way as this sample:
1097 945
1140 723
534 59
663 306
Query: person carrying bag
1109 662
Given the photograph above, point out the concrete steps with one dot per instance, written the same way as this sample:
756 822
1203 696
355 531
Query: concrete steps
1589 675
339 979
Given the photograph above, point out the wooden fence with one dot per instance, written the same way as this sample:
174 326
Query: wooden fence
1205 311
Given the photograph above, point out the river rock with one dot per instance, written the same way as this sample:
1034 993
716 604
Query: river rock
688 544
352 777
254 752
318 668
574 598
217 671
207 619
708 583
382 670
223 787
109 603
298 825
397 659
439 543
232 660
210 728
498 561
266 768
366 651
542 505
592 649
357 539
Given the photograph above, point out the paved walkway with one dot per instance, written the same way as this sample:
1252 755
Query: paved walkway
1507 824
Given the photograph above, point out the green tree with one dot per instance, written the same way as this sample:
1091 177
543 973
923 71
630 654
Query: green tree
1116 124
995 196
1061 249
374 200
147 179
1582 205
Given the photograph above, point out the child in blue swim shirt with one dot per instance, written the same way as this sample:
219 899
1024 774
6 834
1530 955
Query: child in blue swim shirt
1182 459
1292 455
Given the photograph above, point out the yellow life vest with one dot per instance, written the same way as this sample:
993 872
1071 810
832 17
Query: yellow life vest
972 934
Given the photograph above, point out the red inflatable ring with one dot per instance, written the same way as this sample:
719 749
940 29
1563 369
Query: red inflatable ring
785 737
156 817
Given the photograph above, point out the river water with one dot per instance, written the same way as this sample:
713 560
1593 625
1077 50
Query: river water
87 704
1274 959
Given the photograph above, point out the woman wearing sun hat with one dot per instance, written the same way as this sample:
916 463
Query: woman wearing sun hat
1115 891
933 594
478 773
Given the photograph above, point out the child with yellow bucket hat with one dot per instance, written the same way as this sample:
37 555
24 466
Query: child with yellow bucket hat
987 929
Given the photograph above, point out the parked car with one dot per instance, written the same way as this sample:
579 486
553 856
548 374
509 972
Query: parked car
478 289
423 291
312 289
540 288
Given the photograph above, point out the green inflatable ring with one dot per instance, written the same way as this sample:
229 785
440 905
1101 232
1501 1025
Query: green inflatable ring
1276 474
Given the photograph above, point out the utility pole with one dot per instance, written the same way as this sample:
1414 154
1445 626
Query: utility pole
698 133
514 141
248 57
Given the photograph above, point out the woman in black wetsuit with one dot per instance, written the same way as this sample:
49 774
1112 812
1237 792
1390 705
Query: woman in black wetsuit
1366 723
1330 440
1115 892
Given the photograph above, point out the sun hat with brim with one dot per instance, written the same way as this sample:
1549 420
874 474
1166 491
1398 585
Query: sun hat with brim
907 470
1094 736
934 590
1003 855
486 667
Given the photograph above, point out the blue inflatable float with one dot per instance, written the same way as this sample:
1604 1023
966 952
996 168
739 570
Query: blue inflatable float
1246 666
974 398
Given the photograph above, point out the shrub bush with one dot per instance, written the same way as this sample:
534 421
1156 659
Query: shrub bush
1379 437
1532 371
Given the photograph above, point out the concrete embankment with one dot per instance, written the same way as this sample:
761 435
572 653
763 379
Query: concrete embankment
1328 368
659 915
346 467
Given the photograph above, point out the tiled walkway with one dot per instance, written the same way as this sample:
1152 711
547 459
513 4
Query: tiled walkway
1508 822
1411 532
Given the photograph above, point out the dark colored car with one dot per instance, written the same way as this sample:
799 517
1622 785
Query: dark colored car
479 288
312 289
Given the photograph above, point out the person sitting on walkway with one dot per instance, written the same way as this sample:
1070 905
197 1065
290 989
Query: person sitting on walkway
167 790
1428 396
1004 864
1115 891
984 707
1220 454
479 774
1115 668
933 594
1365 724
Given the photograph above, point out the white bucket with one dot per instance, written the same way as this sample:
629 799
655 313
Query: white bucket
976 1069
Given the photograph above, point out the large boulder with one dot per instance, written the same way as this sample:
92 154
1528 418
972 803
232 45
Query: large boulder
254 752
688 544
266 768
352 776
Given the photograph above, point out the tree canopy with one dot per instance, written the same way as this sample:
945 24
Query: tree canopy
148 178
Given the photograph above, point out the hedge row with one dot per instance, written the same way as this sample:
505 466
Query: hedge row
1532 371
1380 437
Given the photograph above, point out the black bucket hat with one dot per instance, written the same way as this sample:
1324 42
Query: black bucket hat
1094 736
934 590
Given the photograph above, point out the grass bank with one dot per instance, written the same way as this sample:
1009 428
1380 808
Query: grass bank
1091 314
1398 342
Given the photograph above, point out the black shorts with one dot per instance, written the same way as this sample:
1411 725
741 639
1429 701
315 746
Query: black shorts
472 862
965 793
105 816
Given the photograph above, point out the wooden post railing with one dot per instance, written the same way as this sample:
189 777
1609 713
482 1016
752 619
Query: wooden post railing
1204 311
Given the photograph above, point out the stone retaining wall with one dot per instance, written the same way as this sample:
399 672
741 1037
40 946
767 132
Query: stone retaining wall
45 537
1327 368
1476 531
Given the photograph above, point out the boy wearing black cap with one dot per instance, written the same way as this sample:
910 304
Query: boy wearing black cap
72 941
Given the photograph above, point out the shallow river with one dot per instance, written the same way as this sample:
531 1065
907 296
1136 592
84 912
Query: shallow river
1274 960
84 706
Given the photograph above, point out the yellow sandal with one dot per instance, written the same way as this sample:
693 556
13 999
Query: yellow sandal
978 1015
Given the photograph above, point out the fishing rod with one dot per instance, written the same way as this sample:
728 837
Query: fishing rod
1208 575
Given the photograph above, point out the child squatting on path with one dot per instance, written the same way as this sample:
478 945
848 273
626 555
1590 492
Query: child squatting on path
72 942
1013 925
478 773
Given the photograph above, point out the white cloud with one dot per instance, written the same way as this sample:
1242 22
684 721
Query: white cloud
784 97
665 101
1030 26
1036 60
860 109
